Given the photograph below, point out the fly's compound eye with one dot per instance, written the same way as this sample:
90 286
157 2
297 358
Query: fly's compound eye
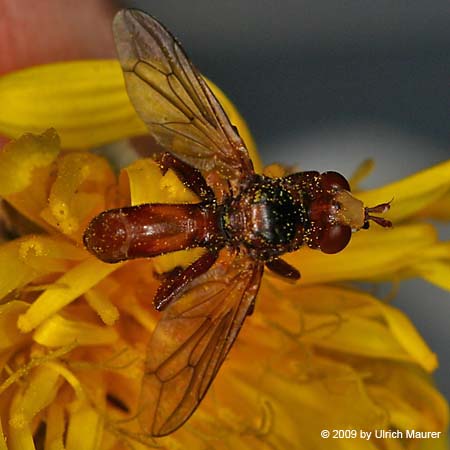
335 238
333 181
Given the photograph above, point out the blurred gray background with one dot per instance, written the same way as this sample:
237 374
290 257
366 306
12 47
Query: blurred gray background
326 84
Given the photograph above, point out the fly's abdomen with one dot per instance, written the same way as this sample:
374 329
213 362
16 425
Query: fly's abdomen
145 231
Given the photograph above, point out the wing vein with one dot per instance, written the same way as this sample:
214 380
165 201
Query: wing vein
160 92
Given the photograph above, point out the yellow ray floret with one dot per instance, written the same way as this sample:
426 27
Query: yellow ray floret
85 101
413 193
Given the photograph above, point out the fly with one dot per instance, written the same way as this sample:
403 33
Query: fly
244 221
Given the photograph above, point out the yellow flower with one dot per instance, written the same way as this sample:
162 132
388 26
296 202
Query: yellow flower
73 330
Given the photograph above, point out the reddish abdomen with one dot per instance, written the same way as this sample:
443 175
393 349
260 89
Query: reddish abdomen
145 231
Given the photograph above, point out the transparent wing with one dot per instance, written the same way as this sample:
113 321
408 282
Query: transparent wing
192 340
174 101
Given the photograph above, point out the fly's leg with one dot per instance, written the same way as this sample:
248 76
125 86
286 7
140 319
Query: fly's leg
281 267
175 281
188 175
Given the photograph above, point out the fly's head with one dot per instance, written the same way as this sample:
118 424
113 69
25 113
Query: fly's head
335 213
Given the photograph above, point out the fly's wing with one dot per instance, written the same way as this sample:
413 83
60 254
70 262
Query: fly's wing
173 99
192 340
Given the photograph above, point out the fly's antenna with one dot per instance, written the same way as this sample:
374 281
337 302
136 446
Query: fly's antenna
382 208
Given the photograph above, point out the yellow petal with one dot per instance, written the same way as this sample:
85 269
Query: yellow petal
78 192
331 393
41 389
141 314
436 272
409 397
148 185
85 101
143 177
19 159
101 304
183 258
25 173
55 427
413 193
67 288
68 376
174 191
409 338
339 319
23 260
58 331
20 438
237 120
435 265
364 169
85 428
439 210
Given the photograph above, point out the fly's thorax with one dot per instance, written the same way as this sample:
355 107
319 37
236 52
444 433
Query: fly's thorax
265 217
